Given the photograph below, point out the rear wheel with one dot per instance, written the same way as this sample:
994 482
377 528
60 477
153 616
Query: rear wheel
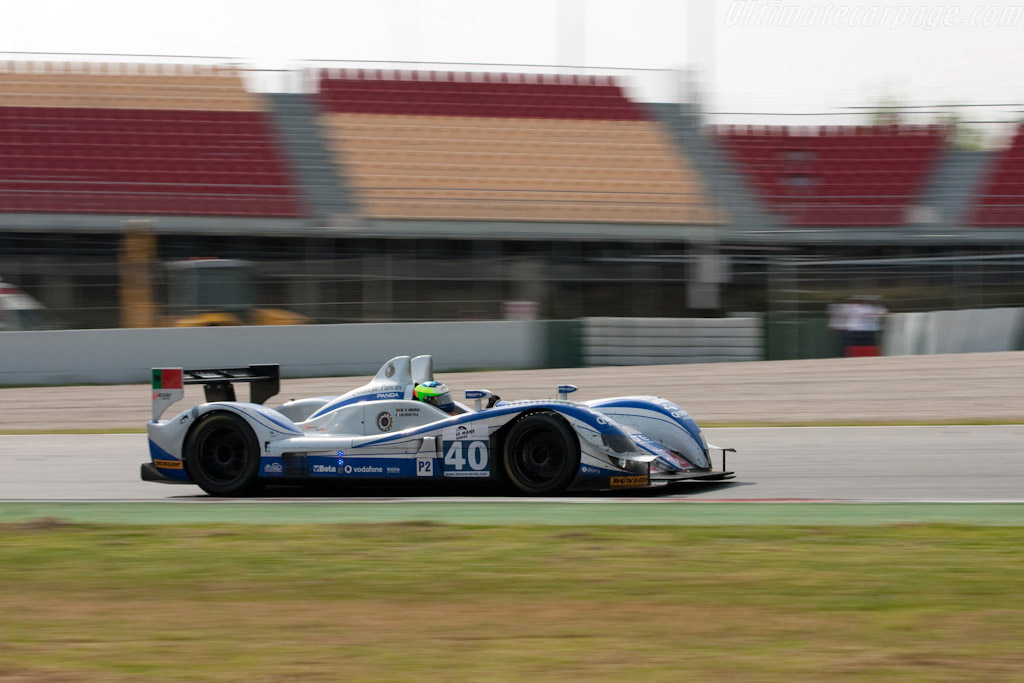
223 456
541 455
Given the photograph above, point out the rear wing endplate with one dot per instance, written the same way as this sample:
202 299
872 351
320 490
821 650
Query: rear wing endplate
169 384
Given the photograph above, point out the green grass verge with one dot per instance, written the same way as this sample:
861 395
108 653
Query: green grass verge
423 602
602 511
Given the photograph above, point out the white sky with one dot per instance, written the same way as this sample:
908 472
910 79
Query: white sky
752 67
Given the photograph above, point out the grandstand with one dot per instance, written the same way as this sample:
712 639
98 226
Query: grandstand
1001 201
139 140
836 176
422 195
463 146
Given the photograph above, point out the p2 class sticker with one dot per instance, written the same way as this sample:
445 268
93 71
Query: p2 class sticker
424 466
470 458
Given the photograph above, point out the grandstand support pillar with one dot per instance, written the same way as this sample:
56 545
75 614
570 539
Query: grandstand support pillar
648 300
782 327
707 270
485 268
136 261
378 290
564 284
61 284
307 290
57 274
529 283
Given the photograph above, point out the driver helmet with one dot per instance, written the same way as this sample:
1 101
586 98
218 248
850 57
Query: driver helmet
436 394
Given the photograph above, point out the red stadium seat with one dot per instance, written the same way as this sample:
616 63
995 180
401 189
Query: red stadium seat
1001 201
867 175
486 98
142 161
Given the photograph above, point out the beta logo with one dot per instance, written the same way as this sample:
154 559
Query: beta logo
325 469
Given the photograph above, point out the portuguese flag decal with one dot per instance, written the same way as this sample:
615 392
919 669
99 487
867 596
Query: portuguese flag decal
167 379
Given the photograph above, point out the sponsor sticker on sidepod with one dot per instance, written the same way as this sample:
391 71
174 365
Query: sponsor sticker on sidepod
630 482
363 470
463 432
168 464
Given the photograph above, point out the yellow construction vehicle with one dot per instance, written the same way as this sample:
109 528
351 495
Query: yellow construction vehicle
201 292
215 292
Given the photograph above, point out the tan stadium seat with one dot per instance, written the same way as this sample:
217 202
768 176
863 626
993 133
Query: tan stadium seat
115 86
533 211
476 168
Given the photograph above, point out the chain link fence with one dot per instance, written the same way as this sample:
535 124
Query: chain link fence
82 281
800 291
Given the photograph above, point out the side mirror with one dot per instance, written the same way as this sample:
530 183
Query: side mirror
565 389
478 395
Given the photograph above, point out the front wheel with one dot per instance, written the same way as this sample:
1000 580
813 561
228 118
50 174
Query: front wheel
223 456
541 455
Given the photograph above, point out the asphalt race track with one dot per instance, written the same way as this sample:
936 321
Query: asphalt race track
891 464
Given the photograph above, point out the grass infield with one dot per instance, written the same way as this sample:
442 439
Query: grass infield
497 512
419 601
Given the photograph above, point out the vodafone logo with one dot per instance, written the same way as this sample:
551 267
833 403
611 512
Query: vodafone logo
363 469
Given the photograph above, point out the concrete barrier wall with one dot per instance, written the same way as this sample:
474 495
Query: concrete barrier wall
663 341
126 355
966 331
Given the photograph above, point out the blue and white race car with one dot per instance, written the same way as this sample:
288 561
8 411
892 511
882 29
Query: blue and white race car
404 425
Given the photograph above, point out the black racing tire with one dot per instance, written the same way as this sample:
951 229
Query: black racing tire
222 456
541 455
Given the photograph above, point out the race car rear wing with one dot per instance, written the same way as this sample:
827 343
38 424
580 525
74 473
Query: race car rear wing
218 385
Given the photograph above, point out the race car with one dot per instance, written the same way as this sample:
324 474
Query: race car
404 425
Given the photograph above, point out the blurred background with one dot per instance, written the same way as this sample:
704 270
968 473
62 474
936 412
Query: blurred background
703 160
